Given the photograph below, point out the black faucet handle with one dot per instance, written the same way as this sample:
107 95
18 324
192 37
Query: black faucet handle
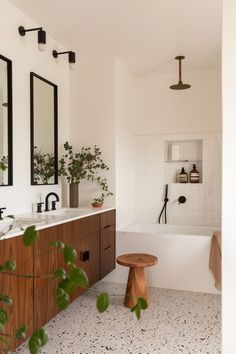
1 212
54 203
39 207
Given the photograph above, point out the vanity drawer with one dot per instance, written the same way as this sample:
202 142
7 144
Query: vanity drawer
85 226
108 261
107 237
107 219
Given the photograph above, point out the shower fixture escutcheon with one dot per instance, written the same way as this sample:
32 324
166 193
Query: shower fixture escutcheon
180 85
182 199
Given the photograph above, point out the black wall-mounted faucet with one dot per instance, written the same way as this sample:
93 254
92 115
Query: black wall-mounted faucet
1 212
53 203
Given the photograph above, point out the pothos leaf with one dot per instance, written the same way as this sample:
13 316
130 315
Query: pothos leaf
3 318
79 277
20 333
6 299
38 339
10 265
30 235
60 273
103 302
62 298
57 244
70 254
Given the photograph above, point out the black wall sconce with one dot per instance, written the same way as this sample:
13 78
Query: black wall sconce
71 56
41 35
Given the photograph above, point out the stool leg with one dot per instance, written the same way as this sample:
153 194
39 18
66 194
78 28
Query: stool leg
136 286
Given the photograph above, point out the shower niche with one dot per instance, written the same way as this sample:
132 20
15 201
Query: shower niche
182 153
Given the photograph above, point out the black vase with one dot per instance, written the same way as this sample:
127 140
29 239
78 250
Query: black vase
74 195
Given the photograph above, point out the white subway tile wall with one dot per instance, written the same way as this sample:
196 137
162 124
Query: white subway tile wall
203 205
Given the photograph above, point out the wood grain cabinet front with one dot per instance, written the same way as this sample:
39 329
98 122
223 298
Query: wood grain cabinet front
20 289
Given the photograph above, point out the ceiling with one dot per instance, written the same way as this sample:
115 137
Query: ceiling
145 34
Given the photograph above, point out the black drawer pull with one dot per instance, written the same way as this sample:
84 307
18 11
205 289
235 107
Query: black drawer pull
107 226
107 248
85 256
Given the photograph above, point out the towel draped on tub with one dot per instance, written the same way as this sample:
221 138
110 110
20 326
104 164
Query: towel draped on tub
215 258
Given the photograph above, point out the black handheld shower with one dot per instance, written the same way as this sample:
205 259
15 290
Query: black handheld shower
163 210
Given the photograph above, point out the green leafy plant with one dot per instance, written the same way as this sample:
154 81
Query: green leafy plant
44 166
4 163
83 165
70 278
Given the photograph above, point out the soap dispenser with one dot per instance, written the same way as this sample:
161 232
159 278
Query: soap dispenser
194 175
183 176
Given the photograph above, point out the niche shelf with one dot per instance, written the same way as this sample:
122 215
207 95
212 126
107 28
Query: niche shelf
182 153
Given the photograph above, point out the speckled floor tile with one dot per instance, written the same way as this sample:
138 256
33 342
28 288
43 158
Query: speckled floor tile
175 322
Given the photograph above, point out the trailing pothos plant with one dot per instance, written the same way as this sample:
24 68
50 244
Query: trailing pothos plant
70 278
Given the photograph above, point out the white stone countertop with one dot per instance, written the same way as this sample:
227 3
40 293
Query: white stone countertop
45 220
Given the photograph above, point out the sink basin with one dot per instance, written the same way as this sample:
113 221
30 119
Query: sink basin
66 211
5 224
24 222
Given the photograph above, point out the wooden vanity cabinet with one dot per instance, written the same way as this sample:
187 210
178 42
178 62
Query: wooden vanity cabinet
19 289
107 243
34 299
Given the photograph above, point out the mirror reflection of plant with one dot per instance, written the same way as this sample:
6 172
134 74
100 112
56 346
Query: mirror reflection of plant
44 166
4 163
70 278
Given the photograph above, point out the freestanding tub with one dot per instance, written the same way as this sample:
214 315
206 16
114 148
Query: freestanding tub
182 251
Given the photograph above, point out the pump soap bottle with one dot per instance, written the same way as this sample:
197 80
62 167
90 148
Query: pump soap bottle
194 175
183 176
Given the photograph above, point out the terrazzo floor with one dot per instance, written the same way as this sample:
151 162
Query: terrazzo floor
175 322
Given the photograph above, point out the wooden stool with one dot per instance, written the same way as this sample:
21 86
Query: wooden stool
136 284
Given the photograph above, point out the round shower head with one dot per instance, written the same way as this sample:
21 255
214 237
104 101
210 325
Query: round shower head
180 85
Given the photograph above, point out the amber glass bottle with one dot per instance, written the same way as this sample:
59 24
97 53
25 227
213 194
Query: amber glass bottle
194 175
183 176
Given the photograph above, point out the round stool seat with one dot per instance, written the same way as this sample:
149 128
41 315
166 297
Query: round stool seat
141 260
136 284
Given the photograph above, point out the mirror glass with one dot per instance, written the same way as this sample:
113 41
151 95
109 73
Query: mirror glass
5 122
44 169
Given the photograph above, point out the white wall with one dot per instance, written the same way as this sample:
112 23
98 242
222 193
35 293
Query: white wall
229 171
92 116
161 110
124 110
25 57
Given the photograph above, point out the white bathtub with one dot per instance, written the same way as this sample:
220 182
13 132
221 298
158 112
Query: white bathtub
182 251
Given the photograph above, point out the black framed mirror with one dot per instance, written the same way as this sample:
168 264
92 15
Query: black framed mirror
44 134
6 160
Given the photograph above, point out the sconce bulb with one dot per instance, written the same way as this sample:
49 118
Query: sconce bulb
41 47
72 66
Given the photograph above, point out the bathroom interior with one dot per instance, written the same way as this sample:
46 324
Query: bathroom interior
142 81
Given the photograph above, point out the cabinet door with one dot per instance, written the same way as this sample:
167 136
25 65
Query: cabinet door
88 250
21 291
108 250
45 307
18 288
